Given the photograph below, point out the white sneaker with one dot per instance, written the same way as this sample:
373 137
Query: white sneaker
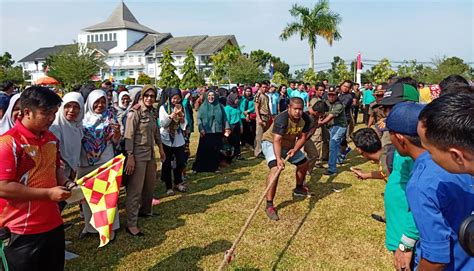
181 187
170 192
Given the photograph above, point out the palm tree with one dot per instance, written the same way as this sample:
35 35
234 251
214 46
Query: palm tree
319 21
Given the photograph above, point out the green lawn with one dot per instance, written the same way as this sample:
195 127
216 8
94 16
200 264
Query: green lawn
329 231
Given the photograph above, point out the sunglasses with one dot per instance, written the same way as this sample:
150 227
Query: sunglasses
149 96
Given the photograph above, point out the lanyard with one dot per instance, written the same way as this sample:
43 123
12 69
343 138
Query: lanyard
4 258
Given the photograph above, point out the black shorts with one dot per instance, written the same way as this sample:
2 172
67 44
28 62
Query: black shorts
43 251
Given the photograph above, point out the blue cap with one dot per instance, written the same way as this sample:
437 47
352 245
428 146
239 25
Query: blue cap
403 118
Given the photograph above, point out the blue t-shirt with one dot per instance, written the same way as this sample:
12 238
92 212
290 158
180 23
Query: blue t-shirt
367 96
274 97
301 94
440 201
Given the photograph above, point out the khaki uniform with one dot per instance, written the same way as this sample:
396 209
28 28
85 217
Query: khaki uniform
264 110
141 134
313 145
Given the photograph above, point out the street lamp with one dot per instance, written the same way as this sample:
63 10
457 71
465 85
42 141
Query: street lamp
154 55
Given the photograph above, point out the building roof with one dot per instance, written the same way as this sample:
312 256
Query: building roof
213 44
180 44
147 42
121 18
44 52
202 45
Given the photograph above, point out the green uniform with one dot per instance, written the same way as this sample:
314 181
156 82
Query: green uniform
399 218
232 115
337 110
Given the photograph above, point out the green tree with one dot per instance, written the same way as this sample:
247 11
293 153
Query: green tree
221 63
190 78
8 72
299 75
168 77
261 57
280 66
75 65
129 81
339 71
279 79
444 67
412 69
6 60
12 74
380 72
245 71
319 21
144 79
321 75
310 77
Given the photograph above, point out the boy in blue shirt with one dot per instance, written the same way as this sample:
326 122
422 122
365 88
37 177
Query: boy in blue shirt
274 98
438 199
301 93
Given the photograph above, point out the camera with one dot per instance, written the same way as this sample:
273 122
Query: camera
466 235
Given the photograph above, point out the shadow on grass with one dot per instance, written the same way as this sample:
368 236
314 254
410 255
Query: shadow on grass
321 190
188 258
155 228
352 161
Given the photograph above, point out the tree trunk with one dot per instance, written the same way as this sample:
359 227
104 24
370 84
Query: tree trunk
311 58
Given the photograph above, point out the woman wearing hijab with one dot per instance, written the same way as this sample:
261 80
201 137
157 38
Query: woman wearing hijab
122 110
233 114
11 114
173 124
67 127
124 102
189 114
247 109
212 123
101 132
141 135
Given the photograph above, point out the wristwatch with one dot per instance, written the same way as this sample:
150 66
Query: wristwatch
404 248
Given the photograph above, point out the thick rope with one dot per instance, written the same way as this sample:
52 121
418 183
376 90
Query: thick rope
230 252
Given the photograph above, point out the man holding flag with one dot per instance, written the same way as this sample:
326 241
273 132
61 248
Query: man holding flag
31 185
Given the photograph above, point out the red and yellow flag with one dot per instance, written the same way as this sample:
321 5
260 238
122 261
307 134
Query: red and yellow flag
101 191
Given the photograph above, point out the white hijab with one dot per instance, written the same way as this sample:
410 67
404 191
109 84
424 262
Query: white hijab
90 117
7 122
120 104
69 133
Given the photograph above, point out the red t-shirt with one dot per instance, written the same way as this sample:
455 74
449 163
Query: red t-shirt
30 161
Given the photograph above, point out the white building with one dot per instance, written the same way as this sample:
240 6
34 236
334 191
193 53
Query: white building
129 47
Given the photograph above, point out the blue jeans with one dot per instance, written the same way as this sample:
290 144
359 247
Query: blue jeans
336 135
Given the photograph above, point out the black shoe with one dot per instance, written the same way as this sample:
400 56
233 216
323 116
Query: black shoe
301 192
148 215
329 173
138 234
378 218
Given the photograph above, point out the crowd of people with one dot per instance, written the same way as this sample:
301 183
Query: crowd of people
421 136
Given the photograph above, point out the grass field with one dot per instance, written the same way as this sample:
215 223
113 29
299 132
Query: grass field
329 231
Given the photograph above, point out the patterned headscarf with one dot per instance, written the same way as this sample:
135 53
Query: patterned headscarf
97 128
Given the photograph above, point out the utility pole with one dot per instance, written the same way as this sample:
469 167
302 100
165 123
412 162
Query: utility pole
154 57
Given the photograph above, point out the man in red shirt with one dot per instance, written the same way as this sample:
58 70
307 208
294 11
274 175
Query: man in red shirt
31 185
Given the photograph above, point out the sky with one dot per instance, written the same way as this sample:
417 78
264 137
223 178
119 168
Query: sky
397 30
